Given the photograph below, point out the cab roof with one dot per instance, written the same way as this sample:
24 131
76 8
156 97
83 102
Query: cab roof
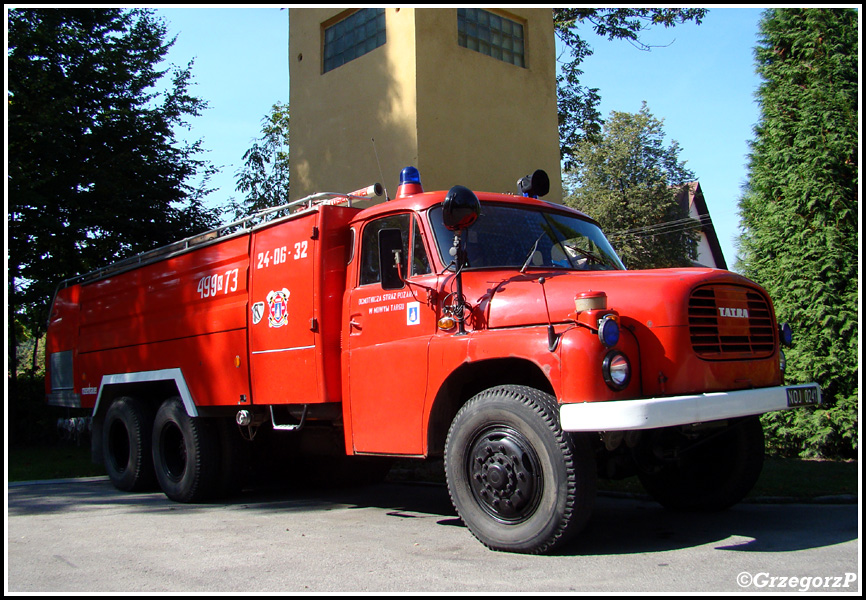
426 200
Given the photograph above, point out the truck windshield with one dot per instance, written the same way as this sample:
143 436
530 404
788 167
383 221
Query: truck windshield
514 237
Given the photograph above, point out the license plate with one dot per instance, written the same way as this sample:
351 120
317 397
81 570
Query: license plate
802 396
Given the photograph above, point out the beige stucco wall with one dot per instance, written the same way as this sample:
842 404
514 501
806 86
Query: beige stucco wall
336 115
459 116
484 123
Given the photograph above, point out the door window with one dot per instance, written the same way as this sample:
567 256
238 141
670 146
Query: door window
371 270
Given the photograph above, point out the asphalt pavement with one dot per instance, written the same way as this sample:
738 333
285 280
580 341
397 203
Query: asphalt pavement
82 535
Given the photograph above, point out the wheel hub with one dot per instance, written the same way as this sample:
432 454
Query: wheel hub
505 474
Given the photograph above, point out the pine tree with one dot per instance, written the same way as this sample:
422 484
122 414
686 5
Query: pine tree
799 213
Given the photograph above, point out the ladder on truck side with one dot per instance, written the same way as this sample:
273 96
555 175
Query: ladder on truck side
240 227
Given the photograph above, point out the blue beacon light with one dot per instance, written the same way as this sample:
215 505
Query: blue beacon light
410 182
608 331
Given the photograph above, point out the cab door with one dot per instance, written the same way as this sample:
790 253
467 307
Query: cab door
389 332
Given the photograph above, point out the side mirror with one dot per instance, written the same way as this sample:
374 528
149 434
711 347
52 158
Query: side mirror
460 208
391 258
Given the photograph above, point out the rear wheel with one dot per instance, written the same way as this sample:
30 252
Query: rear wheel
703 471
185 454
518 482
126 444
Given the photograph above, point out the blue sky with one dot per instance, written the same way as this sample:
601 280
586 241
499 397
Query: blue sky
701 81
241 69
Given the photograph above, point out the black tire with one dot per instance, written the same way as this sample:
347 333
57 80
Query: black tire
714 470
186 454
126 444
517 481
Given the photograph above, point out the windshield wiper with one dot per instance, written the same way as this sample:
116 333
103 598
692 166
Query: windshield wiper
585 253
532 252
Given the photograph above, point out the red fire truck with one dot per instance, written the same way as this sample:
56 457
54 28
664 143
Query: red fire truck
500 331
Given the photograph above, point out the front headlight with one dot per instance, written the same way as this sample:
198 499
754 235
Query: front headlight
616 370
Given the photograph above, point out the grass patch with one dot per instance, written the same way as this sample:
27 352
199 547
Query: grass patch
801 478
782 478
60 461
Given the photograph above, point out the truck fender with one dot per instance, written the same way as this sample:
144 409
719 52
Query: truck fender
173 375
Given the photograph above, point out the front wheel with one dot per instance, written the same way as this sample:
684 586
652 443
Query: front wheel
518 482
707 470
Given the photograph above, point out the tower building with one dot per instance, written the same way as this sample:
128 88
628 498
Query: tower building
466 95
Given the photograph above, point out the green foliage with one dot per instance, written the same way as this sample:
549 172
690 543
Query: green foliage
799 213
95 172
579 118
628 180
264 178
31 420
815 433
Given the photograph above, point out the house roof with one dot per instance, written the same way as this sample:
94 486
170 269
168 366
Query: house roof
691 197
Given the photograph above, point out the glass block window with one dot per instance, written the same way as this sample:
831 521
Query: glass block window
354 36
491 34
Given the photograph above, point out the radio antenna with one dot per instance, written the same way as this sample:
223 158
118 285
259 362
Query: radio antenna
381 175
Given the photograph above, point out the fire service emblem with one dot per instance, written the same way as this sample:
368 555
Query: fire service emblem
278 306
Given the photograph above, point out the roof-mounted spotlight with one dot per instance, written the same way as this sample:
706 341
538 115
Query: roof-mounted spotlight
535 185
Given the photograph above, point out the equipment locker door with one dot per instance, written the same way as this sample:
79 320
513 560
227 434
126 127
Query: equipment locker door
283 365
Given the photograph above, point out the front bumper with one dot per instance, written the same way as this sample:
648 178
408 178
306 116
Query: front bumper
652 413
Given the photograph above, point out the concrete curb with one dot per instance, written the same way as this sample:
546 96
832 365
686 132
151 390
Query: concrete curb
831 499
834 499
